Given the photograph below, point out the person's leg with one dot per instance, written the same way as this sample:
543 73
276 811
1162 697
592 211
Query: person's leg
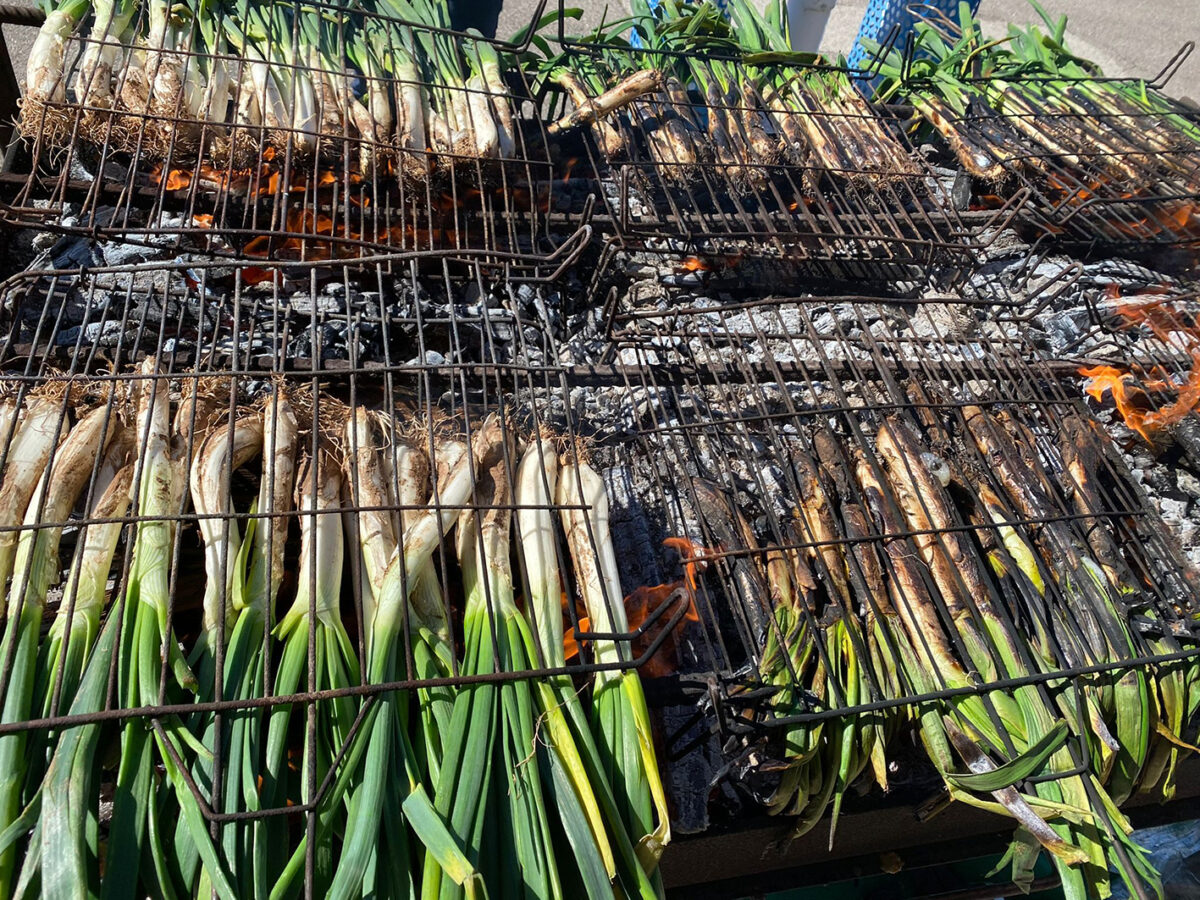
481 15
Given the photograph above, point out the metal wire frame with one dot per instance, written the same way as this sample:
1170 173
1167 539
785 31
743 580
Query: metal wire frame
875 219
163 171
728 394
239 338
704 401
1074 194
708 283
216 311
1102 178
426 397
731 388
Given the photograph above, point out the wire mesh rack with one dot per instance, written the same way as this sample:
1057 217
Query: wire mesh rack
1104 162
825 186
231 141
373 449
84 302
1119 179
712 426
839 462
800 488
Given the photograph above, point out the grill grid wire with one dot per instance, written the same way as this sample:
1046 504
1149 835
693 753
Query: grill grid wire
861 363
752 375
241 181
723 402
1077 198
859 359
852 371
432 398
216 312
846 222
1117 178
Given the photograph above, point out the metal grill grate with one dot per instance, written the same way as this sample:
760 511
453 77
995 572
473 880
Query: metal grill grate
428 302
807 193
75 309
1102 163
1116 179
115 167
743 414
419 407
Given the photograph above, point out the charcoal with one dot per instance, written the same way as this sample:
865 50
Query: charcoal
960 193
175 345
1065 329
253 347
431 358
502 332
631 531
1121 272
1187 435
1188 483
43 241
75 253
525 296
98 331
122 253
690 775
68 336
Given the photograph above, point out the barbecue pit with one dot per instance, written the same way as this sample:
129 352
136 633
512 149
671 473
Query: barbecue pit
732 347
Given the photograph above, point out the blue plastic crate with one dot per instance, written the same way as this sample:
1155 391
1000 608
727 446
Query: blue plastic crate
882 16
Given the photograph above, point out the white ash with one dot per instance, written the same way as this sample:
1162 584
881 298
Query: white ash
1173 490
138 293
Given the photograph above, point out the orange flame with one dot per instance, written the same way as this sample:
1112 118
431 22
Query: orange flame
1130 389
696 264
1174 217
645 600
312 235
177 180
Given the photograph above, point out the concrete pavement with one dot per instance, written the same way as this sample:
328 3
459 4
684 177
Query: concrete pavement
1127 37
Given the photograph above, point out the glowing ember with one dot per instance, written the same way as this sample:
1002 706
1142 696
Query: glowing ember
696 264
306 234
252 275
267 180
1131 389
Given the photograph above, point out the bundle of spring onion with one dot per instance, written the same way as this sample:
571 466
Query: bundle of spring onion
906 577
1015 103
495 785
756 103
215 80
